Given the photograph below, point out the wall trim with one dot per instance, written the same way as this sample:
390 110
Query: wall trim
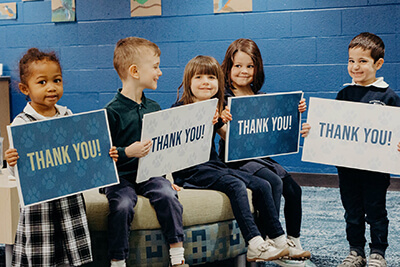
331 180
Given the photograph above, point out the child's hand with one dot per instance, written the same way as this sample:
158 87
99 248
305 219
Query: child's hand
302 105
215 118
176 188
226 115
11 156
138 149
113 153
305 129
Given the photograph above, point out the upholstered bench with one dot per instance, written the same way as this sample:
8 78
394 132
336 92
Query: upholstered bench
211 232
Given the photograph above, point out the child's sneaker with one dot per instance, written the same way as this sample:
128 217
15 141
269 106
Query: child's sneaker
376 260
353 260
265 252
290 263
297 253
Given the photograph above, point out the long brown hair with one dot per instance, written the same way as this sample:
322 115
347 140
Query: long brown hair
202 65
249 47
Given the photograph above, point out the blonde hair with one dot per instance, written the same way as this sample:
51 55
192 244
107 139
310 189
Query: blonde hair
202 65
128 51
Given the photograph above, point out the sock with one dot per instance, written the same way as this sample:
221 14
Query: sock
120 263
256 241
177 255
280 241
296 241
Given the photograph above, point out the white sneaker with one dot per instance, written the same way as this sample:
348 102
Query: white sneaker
376 260
297 253
354 260
265 252
120 263
290 263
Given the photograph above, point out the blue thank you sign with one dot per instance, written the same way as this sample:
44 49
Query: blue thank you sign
62 156
263 125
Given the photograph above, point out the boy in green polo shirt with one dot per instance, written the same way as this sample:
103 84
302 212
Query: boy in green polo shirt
137 61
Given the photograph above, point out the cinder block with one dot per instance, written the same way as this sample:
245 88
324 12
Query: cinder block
79 57
189 50
316 23
340 3
288 51
39 12
186 7
170 80
376 19
267 25
80 102
332 50
103 9
291 4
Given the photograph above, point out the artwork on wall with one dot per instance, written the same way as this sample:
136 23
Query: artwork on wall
8 11
62 10
226 6
141 8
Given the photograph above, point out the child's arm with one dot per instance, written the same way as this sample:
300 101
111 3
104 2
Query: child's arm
225 116
138 149
11 156
113 153
305 129
302 105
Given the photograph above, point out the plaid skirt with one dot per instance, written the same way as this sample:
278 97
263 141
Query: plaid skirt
53 233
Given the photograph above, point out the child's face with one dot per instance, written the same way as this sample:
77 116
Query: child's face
203 86
361 66
149 69
242 70
44 85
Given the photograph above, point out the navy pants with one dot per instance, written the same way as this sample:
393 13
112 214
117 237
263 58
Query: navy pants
234 186
291 191
122 198
363 195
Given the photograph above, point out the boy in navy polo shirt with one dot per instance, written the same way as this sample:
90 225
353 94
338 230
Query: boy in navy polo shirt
137 61
363 193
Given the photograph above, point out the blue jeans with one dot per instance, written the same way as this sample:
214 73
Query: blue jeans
122 198
234 186
363 195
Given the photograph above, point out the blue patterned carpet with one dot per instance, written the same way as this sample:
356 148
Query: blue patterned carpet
323 229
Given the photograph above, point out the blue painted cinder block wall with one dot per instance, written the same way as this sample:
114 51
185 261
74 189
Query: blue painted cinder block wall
303 43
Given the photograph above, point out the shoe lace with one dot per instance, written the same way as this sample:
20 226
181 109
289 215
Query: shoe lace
291 243
353 259
264 246
376 261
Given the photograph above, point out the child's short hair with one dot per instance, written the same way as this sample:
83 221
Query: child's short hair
127 52
369 41
202 65
249 47
33 55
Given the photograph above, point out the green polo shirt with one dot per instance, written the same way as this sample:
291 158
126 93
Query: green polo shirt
125 121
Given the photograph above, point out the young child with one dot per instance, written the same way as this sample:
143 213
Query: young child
203 79
244 75
363 193
137 62
61 234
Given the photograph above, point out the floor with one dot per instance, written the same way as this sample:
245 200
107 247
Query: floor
323 229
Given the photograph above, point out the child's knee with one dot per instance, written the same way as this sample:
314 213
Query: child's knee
123 205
